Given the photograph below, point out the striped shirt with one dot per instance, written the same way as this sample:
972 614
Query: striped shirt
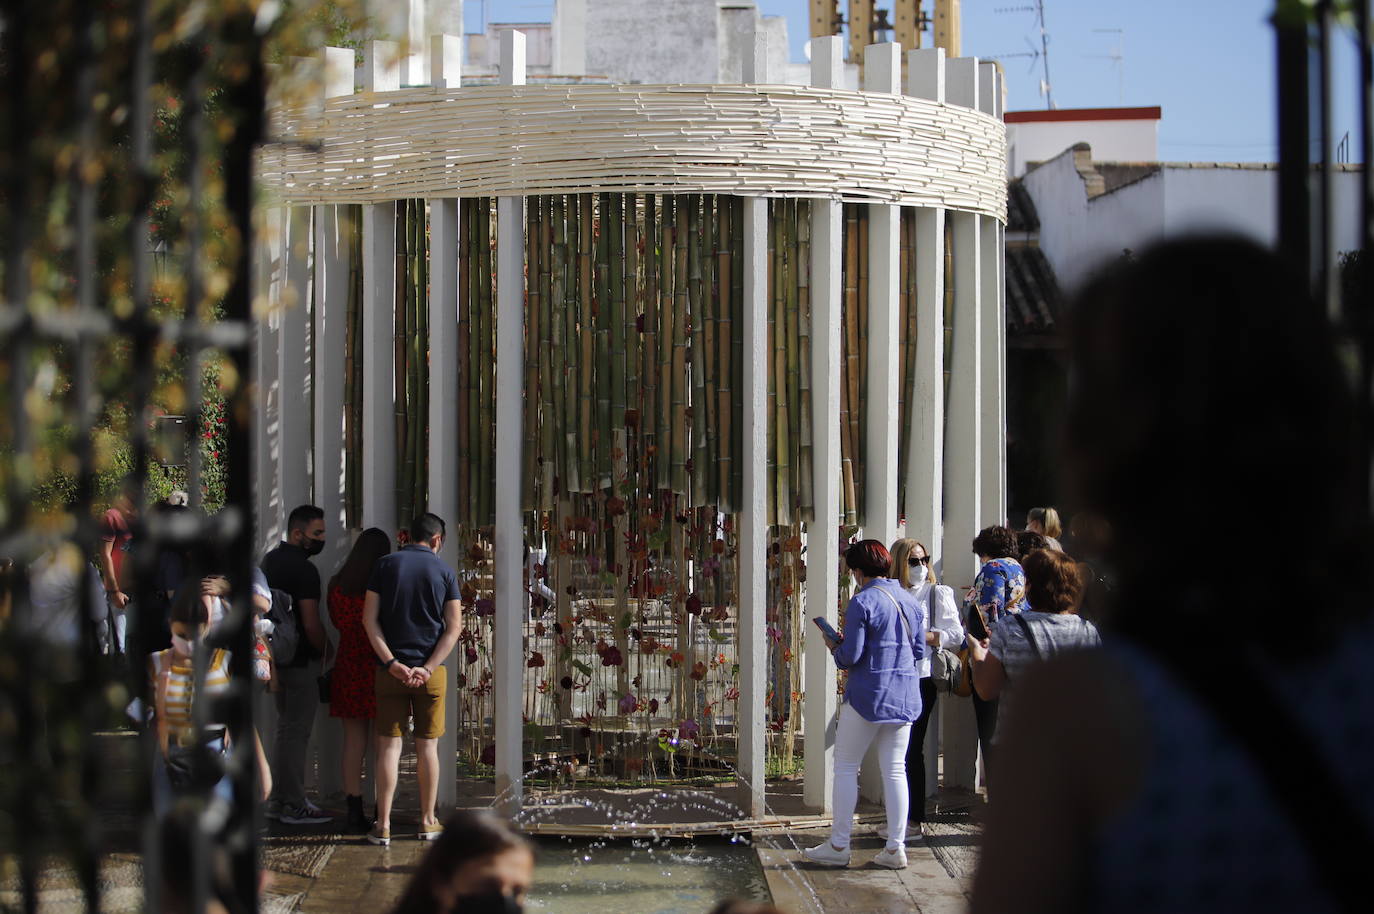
177 704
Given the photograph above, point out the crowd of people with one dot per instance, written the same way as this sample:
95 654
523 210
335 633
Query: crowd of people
1157 736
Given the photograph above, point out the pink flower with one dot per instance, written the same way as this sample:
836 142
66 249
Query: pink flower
627 704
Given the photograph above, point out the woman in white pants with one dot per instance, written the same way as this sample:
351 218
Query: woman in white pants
882 643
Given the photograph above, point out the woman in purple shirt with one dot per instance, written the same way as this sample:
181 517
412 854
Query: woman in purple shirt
882 643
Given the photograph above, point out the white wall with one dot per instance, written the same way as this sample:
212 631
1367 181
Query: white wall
1078 234
1112 141
650 41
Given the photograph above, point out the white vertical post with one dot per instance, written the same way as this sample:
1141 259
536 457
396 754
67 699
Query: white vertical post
964 442
509 546
267 368
882 73
823 535
753 542
381 74
882 425
925 462
294 374
446 63
992 407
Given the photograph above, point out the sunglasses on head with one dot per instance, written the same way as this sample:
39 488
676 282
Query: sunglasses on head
918 560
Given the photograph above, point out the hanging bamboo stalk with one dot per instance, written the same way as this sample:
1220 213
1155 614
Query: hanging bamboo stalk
586 331
601 311
774 226
724 328
793 391
849 398
781 359
696 310
402 328
463 451
420 352
649 412
534 305
681 316
634 297
572 348
555 441
805 483
613 226
861 344
709 403
486 370
667 343
737 347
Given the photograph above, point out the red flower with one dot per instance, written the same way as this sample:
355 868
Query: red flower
536 660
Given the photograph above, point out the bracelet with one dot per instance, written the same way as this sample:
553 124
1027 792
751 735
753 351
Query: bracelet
427 670
388 664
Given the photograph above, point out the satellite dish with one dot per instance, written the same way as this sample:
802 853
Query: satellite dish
806 50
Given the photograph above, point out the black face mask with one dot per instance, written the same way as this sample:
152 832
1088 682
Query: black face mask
491 901
314 547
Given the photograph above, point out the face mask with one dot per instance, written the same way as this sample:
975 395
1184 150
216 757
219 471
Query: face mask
918 574
488 902
182 646
314 547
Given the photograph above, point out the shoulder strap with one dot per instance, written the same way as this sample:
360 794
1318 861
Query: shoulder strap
906 628
1339 841
1030 636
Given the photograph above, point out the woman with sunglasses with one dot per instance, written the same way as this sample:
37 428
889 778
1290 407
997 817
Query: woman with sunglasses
912 569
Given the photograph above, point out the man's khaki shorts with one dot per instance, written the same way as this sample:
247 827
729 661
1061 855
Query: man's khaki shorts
397 702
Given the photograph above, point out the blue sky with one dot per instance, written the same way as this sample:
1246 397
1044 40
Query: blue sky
1208 63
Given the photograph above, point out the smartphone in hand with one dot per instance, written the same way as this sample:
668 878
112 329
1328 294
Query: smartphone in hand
828 630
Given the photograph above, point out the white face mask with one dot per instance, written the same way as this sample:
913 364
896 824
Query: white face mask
918 574
182 646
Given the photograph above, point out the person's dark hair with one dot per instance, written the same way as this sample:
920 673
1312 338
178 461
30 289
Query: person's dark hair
736 906
372 544
869 556
1054 582
303 516
1027 541
469 834
995 543
1204 375
427 526
188 606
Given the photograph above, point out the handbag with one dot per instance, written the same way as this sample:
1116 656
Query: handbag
964 687
325 681
947 669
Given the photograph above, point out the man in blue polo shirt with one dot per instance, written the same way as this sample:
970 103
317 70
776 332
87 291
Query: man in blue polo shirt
413 617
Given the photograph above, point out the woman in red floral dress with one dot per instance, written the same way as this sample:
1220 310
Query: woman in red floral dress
351 695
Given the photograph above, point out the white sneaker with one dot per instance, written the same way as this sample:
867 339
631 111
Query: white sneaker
891 858
913 833
826 855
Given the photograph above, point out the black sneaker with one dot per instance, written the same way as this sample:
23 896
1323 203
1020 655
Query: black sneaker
305 814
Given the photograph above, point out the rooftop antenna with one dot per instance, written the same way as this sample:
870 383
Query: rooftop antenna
1038 8
1118 57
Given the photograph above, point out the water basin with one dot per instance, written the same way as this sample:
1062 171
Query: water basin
574 876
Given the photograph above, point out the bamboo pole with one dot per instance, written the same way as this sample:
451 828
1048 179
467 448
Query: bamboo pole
613 225
557 420
782 444
861 344
529 404
724 387
584 311
681 316
486 372
601 312
403 328
737 351
696 310
709 403
421 366
634 296
906 344
572 444
806 499
353 367
548 316
774 273
849 393
463 449
667 342
791 389
649 414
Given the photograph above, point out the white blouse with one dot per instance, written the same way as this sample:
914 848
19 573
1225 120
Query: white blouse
942 615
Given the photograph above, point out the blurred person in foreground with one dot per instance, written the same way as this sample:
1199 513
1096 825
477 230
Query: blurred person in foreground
1214 756
478 865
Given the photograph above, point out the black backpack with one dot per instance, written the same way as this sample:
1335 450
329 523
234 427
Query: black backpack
286 633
